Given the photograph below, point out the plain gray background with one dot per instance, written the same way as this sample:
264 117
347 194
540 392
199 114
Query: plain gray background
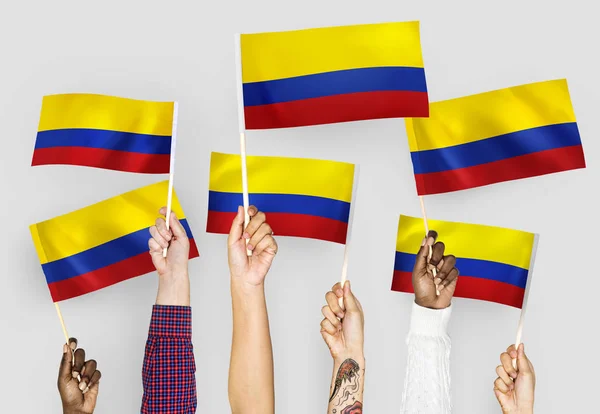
166 50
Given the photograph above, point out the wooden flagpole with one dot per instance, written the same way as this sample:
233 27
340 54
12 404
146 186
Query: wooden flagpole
172 166
62 322
526 296
242 130
424 213
349 233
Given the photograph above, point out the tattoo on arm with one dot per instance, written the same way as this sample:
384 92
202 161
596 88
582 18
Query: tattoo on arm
346 388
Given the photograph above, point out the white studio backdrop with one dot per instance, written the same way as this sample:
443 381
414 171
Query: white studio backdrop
184 51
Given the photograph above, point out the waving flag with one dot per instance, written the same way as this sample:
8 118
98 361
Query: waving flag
503 135
102 244
493 262
333 74
105 132
301 197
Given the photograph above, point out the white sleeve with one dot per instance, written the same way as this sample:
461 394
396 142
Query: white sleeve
427 382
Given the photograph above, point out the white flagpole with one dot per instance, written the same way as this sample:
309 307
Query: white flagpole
172 166
242 130
433 269
350 225
526 297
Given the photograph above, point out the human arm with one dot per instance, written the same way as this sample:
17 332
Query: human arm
515 387
342 330
168 373
78 380
251 383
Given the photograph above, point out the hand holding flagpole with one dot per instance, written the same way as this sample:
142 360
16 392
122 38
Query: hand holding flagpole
433 269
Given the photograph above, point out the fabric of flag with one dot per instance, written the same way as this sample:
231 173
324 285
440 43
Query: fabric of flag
301 197
493 262
105 132
333 74
503 135
102 244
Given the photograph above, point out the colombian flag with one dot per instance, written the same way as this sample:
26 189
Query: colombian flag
503 135
102 244
302 197
105 132
493 262
333 74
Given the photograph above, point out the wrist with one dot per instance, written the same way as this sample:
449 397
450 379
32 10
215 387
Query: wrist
238 284
357 356
173 289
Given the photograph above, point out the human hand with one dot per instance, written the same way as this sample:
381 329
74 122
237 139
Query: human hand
343 329
515 388
78 397
173 280
424 283
250 270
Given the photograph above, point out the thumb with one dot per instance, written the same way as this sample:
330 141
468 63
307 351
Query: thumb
522 360
237 227
64 371
350 301
423 255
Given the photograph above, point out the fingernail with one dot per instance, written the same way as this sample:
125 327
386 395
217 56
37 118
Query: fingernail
246 236
440 287
339 292
513 375
513 354
73 345
86 390
430 241
83 371
75 374
437 281
340 315
250 247
82 385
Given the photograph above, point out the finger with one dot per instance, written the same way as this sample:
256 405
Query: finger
252 211
93 384
350 302
256 221
504 376
449 279
334 304
268 245
88 370
506 361
328 327
154 246
447 264
330 316
438 253
161 226
158 237
337 289
176 226
237 227
512 351
64 371
423 254
501 386
79 361
261 232
523 362
73 344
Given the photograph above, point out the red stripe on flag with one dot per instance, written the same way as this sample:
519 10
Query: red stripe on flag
102 158
338 108
89 282
472 288
285 224
524 166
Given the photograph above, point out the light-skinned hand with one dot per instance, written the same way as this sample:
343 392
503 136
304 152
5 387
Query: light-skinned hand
424 284
250 270
78 397
515 388
343 328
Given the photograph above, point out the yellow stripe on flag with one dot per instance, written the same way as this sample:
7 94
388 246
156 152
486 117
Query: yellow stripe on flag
279 55
473 241
485 115
279 175
69 234
74 111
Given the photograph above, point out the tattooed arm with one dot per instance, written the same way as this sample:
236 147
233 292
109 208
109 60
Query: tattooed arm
343 332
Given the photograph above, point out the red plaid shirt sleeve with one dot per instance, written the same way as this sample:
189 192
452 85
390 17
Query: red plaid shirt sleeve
169 372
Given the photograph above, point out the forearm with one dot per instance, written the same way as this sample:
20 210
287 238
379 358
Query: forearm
251 384
428 364
347 385
174 290
169 371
